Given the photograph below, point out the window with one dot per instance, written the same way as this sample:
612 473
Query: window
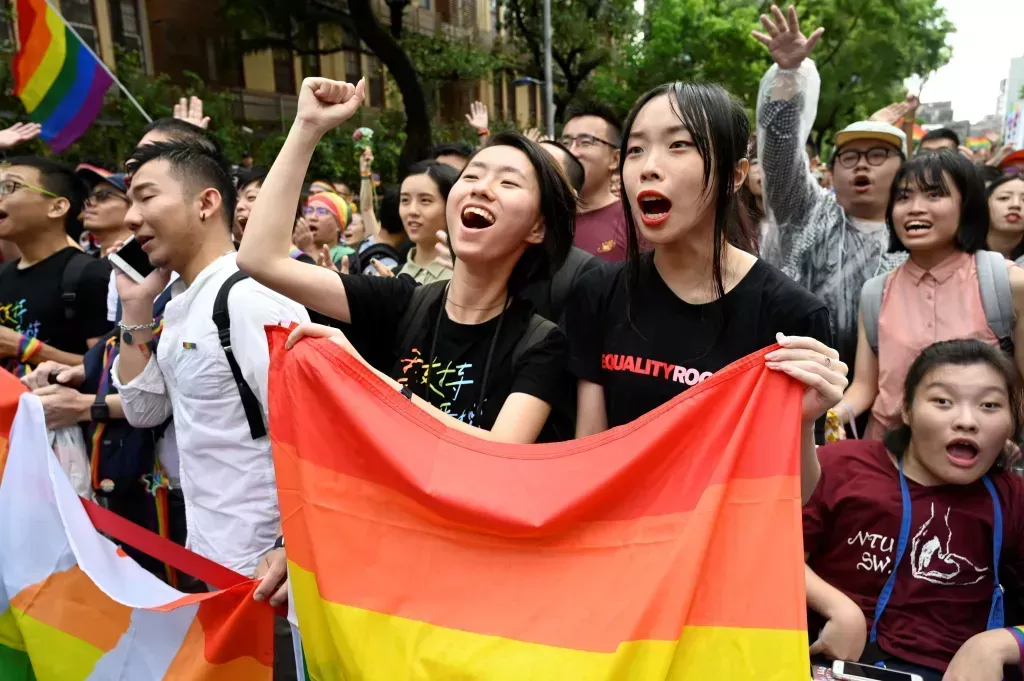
532 94
510 97
353 67
228 61
284 72
426 4
124 20
499 110
79 14
375 81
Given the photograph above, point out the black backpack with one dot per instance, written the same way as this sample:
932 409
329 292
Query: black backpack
69 279
357 262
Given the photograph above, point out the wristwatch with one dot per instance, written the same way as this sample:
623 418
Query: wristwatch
99 411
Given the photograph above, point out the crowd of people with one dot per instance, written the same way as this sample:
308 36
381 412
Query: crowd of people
539 290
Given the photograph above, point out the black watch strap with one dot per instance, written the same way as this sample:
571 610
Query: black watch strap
279 544
100 412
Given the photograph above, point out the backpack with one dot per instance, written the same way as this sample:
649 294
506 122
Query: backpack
414 319
996 298
564 279
69 280
357 262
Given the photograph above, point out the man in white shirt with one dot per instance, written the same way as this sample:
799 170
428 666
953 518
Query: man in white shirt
182 202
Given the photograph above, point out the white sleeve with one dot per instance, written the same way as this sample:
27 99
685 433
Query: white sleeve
112 298
144 399
252 308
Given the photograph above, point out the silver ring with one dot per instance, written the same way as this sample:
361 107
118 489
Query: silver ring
828 362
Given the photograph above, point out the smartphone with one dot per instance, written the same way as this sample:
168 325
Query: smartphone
853 671
132 260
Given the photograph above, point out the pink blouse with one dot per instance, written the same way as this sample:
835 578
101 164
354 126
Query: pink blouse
921 307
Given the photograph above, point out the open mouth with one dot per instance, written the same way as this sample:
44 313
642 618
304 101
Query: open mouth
242 220
3 215
917 226
862 183
143 240
475 217
654 207
962 452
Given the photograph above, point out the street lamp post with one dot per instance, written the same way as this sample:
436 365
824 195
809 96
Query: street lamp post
549 90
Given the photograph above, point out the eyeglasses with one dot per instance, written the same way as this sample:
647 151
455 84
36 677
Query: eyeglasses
8 187
319 210
876 156
102 195
584 141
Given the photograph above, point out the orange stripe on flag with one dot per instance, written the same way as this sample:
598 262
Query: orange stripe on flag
71 602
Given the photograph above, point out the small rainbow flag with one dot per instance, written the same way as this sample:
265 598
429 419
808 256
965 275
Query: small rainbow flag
58 79
666 549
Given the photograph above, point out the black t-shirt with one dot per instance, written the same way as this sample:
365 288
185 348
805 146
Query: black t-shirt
669 345
31 302
455 378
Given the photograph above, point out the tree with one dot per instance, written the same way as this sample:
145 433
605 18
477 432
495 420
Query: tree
295 25
585 35
868 48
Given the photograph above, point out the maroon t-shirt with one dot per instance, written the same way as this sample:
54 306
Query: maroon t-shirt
602 232
943 590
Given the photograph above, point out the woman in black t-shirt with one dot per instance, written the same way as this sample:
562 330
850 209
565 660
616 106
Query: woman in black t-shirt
456 348
642 332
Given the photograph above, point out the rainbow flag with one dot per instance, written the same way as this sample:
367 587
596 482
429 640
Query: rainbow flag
75 607
978 143
58 79
669 548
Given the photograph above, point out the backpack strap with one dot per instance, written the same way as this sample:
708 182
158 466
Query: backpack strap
69 282
566 276
996 298
536 331
414 319
222 319
871 307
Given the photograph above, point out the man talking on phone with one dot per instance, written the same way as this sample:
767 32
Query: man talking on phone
182 204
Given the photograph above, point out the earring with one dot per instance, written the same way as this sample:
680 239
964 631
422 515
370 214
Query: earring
202 216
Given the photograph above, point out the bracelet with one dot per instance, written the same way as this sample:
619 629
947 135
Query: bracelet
1018 636
28 347
366 176
483 132
135 327
852 417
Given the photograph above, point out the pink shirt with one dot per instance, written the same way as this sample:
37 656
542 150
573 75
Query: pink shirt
602 232
921 307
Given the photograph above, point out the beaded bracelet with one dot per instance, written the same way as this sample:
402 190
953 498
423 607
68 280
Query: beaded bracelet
28 347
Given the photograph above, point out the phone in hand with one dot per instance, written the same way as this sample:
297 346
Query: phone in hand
132 260
854 671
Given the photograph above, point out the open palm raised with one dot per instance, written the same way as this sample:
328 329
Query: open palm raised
787 45
325 104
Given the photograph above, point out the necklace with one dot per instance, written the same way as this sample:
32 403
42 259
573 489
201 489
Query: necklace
477 309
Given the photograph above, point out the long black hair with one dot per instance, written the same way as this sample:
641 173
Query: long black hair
720 129
965 352
928 172
557 207
442 175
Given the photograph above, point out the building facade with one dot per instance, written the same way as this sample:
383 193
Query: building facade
180 36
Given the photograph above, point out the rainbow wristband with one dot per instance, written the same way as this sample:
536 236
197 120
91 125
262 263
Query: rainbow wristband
366 176
1018 636
28 347
483 132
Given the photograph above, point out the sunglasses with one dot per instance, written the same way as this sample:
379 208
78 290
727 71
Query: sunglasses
103 195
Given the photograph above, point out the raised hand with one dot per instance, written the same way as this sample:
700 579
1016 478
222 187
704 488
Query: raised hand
18 133
477 116
784 40
191 111
325 104
302 237
324 260
366 160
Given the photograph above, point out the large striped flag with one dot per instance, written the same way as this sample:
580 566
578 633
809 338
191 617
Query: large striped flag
669 548
74 607
58 79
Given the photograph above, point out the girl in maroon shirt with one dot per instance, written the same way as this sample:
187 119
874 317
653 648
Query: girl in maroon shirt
928 576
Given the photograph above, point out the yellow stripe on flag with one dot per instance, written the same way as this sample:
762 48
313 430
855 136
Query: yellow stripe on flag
10 636
49 68
346 642
56 655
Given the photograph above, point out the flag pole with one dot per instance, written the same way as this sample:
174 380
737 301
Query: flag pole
100 62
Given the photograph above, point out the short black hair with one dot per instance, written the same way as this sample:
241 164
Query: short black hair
557 206
460 149
198 165
574 170
602 111
442 174
942 134
928 172
811 147
964 352
388 216
250 176
182 131
60 179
